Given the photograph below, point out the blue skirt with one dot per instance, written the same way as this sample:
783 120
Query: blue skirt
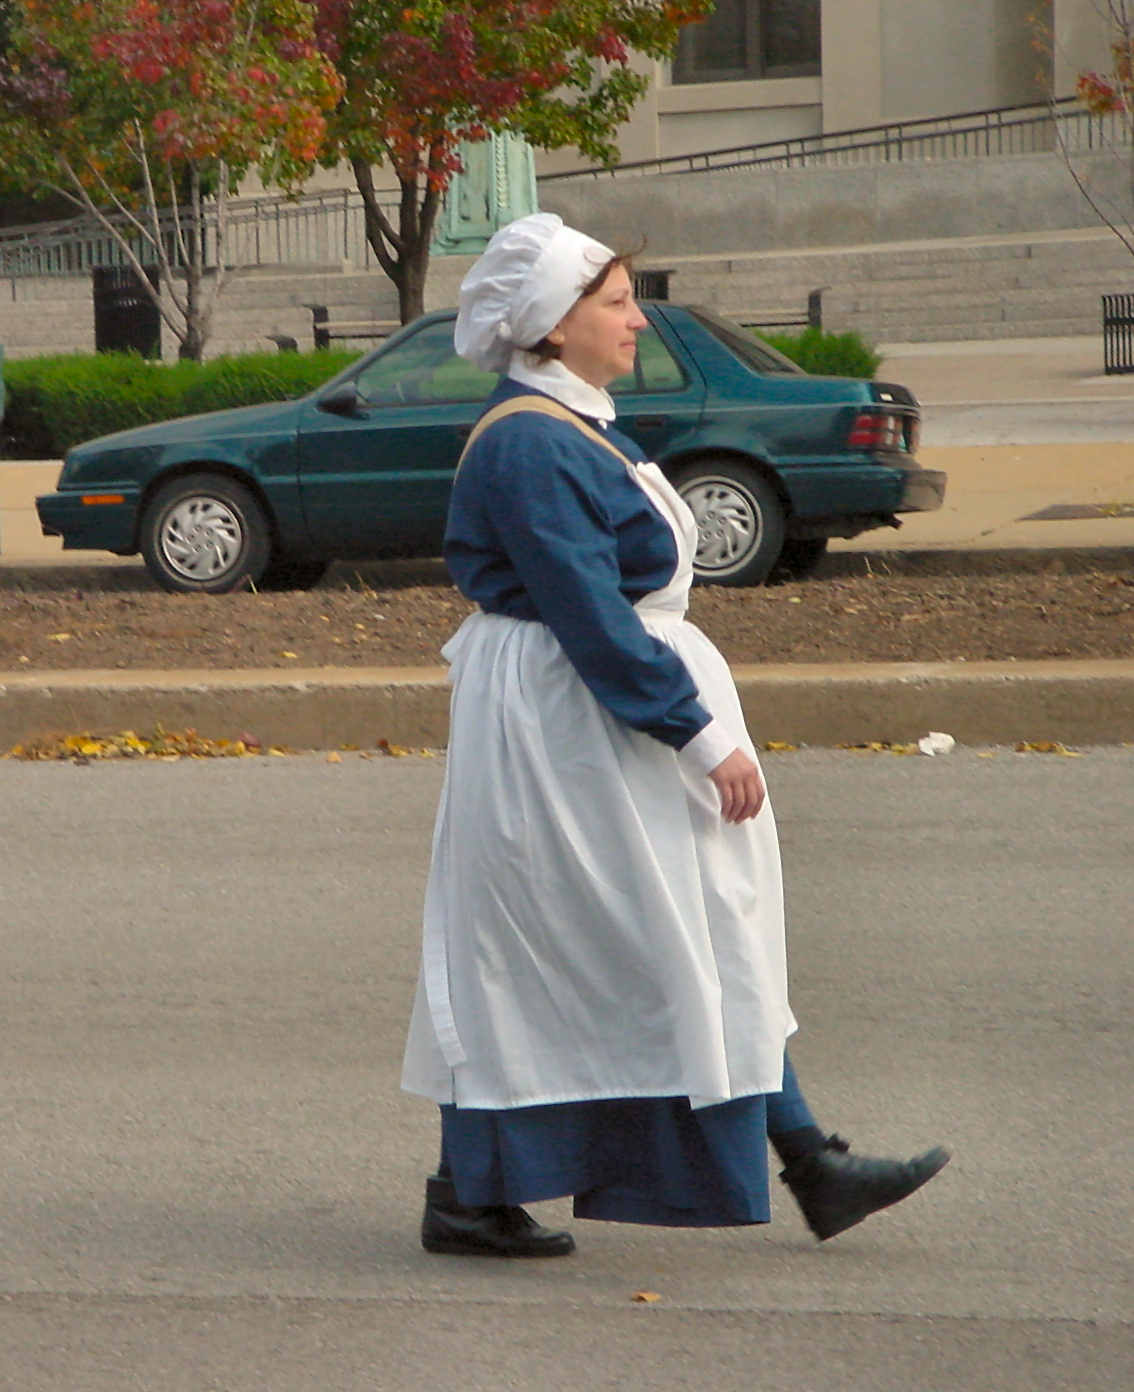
628 1160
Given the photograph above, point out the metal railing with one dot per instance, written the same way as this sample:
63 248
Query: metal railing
1011 130
313 229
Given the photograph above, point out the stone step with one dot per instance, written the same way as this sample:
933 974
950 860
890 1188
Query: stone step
1046 284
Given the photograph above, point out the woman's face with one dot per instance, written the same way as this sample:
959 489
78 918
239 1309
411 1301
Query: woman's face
598 336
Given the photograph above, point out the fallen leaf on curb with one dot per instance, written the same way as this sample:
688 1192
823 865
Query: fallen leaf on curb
400 751
1046 747
645 1297
779 746
285 653
167 745
880 747
58 637
333 758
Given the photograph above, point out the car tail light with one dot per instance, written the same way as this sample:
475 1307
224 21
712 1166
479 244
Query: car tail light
877 430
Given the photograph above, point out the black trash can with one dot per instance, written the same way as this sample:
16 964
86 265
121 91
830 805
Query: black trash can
1118 333
126 318
651 285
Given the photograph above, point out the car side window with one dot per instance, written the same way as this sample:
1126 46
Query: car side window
423 369
655 368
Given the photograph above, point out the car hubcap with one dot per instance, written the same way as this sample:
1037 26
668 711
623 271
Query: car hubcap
201 538
728 523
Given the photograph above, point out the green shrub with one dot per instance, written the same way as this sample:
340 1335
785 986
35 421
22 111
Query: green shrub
56 402
827 354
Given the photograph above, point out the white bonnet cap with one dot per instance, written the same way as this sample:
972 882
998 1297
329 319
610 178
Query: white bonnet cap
528 276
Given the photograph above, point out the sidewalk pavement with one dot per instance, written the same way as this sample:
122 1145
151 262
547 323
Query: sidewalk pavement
1038 446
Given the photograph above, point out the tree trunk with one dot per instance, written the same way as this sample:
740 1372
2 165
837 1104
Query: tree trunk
192 345
402 254
411 282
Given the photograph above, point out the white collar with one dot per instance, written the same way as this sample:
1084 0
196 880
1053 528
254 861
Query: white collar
564 385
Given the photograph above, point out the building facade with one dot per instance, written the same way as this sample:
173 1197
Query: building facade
764 70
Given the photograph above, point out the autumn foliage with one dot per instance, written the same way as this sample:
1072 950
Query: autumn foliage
419 79
148 106
136 103
238 80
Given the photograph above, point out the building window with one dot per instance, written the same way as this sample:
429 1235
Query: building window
750 39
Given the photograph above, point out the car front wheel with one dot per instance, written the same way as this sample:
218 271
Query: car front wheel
205 534
740 521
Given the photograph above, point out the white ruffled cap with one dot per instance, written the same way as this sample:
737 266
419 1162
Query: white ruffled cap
526 279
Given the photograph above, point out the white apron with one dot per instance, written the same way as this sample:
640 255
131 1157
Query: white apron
593 929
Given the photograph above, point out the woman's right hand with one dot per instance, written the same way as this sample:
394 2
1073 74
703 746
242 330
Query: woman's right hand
741 789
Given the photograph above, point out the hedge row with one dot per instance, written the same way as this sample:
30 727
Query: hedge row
56 402
827 354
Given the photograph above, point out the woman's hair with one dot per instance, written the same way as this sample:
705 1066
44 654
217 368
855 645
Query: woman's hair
545 350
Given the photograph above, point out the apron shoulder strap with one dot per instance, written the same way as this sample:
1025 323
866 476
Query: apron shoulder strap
545 406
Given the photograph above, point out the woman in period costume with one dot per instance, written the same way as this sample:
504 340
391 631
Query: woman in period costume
603 1006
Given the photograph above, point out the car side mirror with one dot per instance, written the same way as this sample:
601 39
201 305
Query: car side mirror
342 400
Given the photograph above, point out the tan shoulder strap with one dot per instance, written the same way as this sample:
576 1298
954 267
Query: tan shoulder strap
545 406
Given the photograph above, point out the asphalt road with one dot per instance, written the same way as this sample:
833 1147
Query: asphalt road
211 1180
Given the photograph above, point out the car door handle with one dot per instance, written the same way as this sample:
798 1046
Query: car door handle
647 421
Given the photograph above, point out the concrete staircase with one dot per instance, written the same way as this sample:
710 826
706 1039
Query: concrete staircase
1044 284
1047 284
259 303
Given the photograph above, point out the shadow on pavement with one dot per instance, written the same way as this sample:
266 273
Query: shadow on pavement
131 578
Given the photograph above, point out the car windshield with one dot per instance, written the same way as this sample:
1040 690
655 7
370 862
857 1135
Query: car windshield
752 351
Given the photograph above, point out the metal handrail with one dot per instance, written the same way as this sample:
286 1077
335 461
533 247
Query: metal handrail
967 134
323 228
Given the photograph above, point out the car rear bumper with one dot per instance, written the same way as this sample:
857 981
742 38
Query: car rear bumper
878 488
923 490
89 521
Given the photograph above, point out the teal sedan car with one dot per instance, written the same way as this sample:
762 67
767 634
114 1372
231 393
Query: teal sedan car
771 461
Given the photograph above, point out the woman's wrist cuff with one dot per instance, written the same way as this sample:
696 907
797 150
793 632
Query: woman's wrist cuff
707 748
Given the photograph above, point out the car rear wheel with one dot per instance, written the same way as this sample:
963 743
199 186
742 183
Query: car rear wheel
740 521
205 534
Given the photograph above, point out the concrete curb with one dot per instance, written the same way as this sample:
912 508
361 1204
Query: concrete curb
1079 702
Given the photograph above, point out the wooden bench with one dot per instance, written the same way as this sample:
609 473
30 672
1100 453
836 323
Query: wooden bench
811 318
324 329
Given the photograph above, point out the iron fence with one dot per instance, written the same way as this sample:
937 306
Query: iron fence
314 229
1014 130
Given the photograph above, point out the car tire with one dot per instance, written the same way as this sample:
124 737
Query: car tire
740 521
283 573
205 534
799 558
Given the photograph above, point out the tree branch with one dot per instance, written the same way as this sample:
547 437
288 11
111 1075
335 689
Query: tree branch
85 201
376 218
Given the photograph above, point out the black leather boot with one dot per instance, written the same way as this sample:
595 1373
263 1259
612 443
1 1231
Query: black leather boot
496 1231
836 1190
